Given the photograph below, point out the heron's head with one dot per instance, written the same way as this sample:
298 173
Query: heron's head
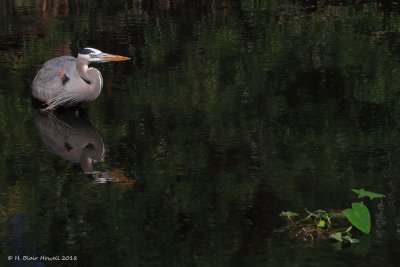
94 55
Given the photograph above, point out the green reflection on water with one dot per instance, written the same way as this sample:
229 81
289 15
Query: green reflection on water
231 112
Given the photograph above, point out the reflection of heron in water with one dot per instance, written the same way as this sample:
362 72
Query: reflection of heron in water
70 135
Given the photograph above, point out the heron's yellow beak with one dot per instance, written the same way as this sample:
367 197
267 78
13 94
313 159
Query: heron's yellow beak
109 57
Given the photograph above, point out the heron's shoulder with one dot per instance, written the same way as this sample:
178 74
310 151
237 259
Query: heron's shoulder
61 59
70 58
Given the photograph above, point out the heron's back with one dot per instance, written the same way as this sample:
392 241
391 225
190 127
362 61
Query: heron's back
49 81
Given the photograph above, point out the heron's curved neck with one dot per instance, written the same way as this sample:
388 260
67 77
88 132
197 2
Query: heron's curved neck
92 77
82 68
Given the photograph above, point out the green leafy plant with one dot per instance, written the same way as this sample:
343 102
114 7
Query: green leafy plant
359 217
334 225
363 193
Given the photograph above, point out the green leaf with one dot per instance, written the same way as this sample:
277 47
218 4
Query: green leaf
336 236
363 193
327 217
288 214
321 224
320 211
351 240
359 216
315 215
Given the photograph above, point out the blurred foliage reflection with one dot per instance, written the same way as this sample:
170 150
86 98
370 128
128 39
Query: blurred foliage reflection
230 112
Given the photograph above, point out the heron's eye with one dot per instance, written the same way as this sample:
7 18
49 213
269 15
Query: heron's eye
92 55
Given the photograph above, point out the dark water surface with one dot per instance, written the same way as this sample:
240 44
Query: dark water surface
230 112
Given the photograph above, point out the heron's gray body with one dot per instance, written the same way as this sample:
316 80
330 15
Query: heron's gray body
66 81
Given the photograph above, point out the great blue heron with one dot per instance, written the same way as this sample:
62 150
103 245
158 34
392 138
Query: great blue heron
67 81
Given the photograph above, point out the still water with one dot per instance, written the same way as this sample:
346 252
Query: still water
229 113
